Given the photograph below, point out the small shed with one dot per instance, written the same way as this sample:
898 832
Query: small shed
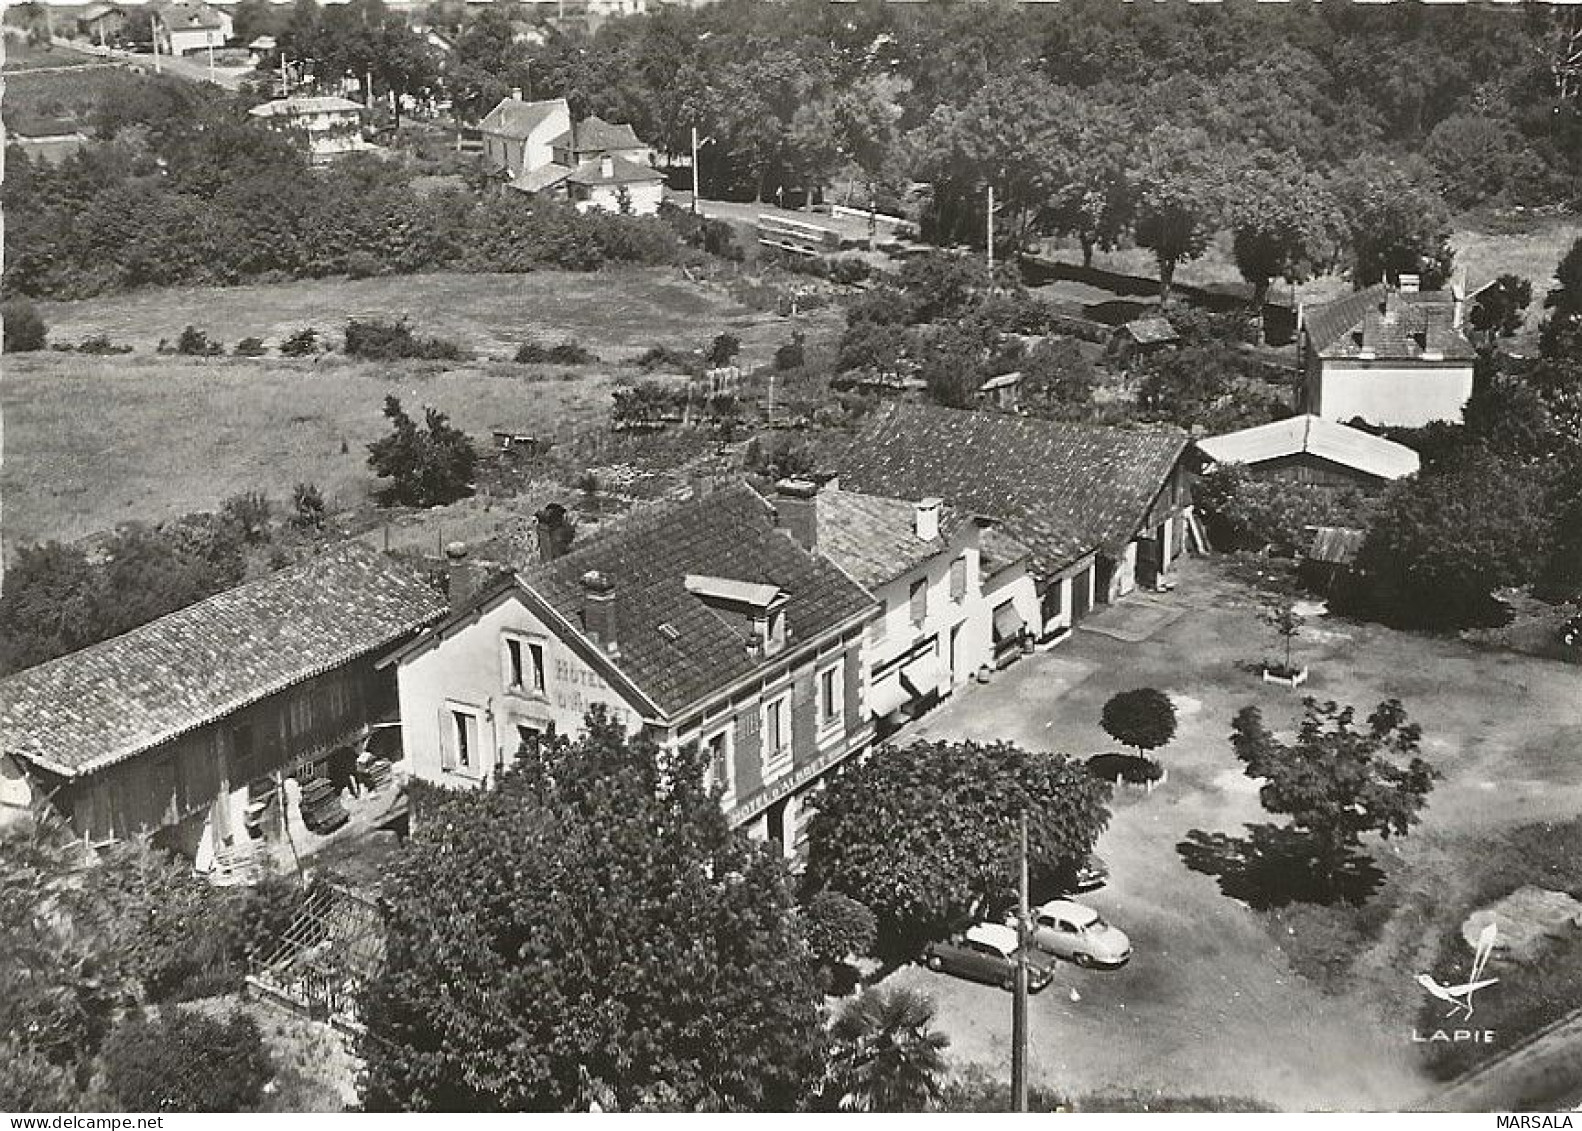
1002 391
1330 554
1142 337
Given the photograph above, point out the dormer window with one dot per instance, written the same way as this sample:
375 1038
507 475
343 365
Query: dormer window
759 610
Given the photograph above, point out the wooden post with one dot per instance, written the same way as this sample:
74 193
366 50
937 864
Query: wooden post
991 241
1019 1000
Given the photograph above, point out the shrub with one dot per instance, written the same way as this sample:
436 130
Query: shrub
195 343
250 347
101 345
378 340
428 466
24 327
250 513
723 350
793 354
303 343
307 507
666 358
566 353
837 926
187 1062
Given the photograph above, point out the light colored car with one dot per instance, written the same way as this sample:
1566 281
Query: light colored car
987 953
1071 930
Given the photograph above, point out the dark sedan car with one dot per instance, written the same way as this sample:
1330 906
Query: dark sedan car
988 953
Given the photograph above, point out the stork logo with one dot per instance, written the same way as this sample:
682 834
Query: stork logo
1459 995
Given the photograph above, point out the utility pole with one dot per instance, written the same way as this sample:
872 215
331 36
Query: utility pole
991 237
1019 999
211 59
285 81
694 170
153 34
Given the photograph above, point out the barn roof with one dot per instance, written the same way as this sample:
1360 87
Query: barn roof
1061 489
1313 435
87 710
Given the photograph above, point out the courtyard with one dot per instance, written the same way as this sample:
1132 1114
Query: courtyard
1214 1002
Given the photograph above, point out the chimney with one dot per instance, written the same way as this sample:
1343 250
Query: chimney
607 167
796 511
516 94
927 524
555 532
598 610
463 576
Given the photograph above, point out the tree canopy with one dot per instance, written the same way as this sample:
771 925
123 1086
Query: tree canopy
1143 718
925 834
589 930
1338 780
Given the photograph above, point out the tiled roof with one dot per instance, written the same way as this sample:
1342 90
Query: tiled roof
594 135
183 16
622 172
1391 325
515 118
1338 443
101 705
728 533
1061 489
997 550
874 539
541 178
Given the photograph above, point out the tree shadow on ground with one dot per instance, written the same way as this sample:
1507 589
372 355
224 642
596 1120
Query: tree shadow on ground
1273 866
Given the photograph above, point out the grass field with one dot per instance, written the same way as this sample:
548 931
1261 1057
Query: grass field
91 442
618 314
94 441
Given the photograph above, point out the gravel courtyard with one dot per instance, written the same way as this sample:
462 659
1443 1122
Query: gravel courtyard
1210 1005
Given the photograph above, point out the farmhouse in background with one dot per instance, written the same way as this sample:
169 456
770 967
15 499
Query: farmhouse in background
332 126
1310 449
101 23
1388 356
187 726
703 624
1100 511
183 27
518 135
591 163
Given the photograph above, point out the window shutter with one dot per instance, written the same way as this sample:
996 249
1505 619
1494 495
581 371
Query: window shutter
447 743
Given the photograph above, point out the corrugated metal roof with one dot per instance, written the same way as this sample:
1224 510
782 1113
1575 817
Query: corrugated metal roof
1312 435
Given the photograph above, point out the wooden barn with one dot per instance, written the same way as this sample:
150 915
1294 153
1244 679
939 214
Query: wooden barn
177 727
1310 449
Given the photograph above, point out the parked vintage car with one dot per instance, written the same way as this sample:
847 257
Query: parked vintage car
1073 931
988 953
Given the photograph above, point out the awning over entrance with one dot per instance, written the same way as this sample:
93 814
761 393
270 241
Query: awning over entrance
922 676
887 696
1007 621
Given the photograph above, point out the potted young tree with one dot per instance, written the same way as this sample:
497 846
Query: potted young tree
1287 624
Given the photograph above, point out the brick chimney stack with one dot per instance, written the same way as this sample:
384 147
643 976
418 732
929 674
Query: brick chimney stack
598 610
555 532
796 510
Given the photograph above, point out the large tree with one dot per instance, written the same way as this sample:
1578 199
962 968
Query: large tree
590 929
1441 542
1395 223
1562 329
1338 781
1283 222
925 834
1180 191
